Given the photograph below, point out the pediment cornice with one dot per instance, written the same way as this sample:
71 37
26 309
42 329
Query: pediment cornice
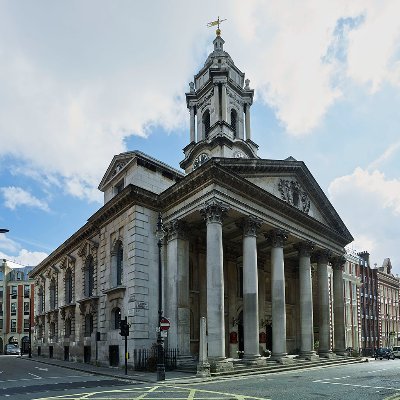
221 173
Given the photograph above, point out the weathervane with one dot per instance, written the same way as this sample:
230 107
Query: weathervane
217 22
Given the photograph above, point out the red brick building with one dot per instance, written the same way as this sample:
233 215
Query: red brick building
16 305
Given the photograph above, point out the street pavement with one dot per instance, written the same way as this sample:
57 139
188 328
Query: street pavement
22 379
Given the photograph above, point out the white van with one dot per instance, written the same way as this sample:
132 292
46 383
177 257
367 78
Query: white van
396 351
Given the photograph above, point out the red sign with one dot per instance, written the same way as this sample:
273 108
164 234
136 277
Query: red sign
164 324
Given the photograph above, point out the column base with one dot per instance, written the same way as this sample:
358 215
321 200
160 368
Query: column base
281 358
341 353
203 370
309 355
220 365
327 354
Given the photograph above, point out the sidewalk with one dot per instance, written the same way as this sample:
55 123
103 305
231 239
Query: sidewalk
114 372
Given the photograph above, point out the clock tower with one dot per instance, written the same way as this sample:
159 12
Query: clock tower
219 103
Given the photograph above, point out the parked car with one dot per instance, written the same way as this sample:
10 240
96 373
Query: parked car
12 349
384 352
396 351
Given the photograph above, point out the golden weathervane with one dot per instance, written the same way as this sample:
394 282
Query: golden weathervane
217 22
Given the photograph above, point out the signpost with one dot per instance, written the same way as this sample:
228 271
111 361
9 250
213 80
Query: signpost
164 324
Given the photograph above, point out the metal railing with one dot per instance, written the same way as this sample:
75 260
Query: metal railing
146 359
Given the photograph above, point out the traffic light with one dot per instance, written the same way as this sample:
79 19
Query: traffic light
124 326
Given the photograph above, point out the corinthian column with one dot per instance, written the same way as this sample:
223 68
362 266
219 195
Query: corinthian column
323 297
277 238
177 287
213 213
338 305
250 290
306 300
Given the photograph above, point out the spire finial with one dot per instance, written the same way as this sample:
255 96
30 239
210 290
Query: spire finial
217 22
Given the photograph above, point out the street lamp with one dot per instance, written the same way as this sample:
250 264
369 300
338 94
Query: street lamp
160 339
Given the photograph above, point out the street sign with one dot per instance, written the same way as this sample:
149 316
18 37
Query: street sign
164 324
164 334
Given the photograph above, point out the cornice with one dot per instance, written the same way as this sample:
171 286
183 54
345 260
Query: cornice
213 172
131 195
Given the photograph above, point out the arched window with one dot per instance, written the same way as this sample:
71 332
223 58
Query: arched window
206 123
89 277
120 257
67 327
52 294
116 318
68 286
234 122
88 324
41 300
52 330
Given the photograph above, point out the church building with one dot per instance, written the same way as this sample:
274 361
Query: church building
252 244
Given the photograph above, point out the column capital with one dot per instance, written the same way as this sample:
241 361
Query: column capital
338 262
322 256
176 229
304 248
214 211
276 237
249 225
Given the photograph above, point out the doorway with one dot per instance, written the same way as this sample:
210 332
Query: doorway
66 353
268 331
87 352
113 356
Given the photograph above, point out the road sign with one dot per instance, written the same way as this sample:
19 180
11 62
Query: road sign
164 324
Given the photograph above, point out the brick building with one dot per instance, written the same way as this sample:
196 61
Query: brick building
16 301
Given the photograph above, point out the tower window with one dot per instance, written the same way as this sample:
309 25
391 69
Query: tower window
206 123
234 122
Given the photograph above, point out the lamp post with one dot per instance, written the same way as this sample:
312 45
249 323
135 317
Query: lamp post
160 339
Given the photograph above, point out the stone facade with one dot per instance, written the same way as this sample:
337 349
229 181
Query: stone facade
253 245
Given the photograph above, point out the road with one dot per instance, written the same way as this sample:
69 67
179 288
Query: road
22 380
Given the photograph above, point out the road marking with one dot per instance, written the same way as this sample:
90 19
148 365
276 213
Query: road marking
42 369
354 385
36 376
142 393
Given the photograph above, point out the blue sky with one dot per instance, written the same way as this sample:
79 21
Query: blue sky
82 81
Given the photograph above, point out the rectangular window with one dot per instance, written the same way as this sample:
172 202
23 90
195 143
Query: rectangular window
13 325
13 292
13 308
1 323
1 309
27 290
26 308
26 325
119 187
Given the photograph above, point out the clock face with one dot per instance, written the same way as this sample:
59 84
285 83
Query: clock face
239 154
200 159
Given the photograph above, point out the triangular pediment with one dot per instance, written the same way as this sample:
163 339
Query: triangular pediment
290 181
119 163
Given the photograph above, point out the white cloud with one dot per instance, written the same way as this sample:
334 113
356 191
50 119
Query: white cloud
16 197
370 207
24 258
387 155
7 244
74 86
373 46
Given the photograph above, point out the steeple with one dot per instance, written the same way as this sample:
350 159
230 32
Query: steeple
219 102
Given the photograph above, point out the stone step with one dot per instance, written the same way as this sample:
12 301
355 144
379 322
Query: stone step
273 366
